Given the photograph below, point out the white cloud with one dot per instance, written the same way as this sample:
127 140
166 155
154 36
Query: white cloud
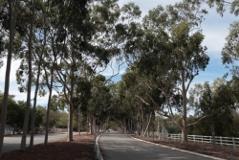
216 29
215 40
14 67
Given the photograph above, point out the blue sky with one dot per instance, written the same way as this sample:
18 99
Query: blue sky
215 29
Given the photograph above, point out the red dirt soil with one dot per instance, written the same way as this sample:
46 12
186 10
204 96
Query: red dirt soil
82 148
208 149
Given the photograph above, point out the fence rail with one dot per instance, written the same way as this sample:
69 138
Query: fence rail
224 141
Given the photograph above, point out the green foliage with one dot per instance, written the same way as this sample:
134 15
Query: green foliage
221 5
231 50
218 109
15 115
70 39
84 93
99 103
58 119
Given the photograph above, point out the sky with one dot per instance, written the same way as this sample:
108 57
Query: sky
215 28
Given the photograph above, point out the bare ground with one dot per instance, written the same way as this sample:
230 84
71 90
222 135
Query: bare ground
208 149
82 148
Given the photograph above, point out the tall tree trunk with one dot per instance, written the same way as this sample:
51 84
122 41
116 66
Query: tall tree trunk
184 118
93 125
107 123
78 119
149 120
70 124
48 108
141 121
7 75
89 124
29 85
212 127
158 128
70 120
33 113
138 124
36 91
125 126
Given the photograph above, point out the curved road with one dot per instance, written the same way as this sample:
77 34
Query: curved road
123 147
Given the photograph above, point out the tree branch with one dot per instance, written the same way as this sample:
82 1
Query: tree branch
197 121
142 100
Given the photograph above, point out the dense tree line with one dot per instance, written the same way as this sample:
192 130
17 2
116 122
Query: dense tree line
62 45
165 53
57 42
16 111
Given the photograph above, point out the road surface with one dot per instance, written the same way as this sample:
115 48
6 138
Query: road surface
123 147
13 142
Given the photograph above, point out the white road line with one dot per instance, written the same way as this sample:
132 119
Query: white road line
181 150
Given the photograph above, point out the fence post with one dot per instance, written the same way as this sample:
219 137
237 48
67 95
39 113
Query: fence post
194 138
221 140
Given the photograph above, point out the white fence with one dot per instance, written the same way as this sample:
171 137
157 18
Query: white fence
226 141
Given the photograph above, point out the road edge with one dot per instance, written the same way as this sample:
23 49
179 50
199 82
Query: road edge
181 150
97 148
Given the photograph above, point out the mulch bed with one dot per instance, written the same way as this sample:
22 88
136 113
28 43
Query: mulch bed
82 148
208 149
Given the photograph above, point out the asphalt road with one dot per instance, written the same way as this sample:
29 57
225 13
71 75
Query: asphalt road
123 147
13 142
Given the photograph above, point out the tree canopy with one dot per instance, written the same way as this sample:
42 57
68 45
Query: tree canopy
63 45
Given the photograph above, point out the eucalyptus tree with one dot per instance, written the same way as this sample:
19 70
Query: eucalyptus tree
187 55
190 59
112 33
49 76
83 30
136 99
230 52
99 103
8 22
223 107
36 69
83 95
44 58
167 46
138 96
202 98
216 109
31 55
220 5
117 112
1 46
40 51
30 12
